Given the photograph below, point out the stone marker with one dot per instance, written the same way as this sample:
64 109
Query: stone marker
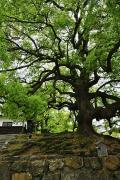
102 149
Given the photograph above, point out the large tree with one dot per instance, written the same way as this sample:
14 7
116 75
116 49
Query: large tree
70 46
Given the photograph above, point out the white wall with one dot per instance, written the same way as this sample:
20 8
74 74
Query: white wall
14 123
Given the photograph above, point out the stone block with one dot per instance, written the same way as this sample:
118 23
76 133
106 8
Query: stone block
4 171
22 176
74 163
19 166
112 163
68 174
37 167
55 164
92 162
52 176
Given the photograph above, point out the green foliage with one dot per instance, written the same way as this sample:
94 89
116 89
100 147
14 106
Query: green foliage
59 121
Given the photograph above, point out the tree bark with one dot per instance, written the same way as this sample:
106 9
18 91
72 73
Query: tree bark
85 124
85 108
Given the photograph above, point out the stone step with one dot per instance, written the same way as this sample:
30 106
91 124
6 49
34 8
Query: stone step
3 144
4 140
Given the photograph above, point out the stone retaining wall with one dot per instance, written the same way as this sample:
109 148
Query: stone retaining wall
60 168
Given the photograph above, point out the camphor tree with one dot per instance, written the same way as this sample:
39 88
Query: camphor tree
70 47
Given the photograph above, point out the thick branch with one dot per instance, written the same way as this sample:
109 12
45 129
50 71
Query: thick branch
47 77
77 24
71 94
55 4
96 79
85 3
103 95
109 57
107 112
31 52
25 34
60 105
20 67
15 19
60 7
56 37
108 82
27 51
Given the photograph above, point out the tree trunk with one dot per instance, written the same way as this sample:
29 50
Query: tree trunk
85 117
85 124
84 106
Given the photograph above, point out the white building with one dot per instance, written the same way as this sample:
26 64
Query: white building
4 122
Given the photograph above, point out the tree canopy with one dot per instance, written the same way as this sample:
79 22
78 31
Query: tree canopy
61 55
